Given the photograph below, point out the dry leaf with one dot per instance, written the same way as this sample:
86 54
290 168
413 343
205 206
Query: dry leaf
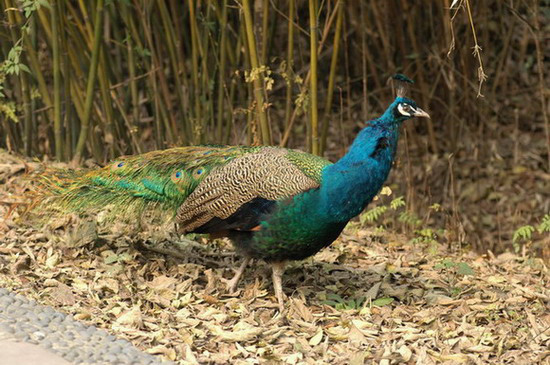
405 353
132 318
317 338
241 332
63 294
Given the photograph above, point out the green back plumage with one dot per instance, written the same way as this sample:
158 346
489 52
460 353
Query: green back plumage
157 182
310 165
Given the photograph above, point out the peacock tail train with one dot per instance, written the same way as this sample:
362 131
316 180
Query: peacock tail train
159 182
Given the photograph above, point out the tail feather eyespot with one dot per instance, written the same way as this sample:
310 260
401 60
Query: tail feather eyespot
117 165
176 176
198 172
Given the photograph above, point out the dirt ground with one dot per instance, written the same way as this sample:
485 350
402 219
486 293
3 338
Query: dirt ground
371 298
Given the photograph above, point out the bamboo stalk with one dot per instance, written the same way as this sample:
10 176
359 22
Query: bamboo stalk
195 52
363 30
381 30
66 108
27 113
33 130
290 62
540 73
15 18
92 75
109 122
264 30
170 44
307 78
129 125
133 85
332 74
421 82
58 132
206 90
13 135
347 68
257 76
233 90
84 24
165 122
221 72
76 61
133 40
314 117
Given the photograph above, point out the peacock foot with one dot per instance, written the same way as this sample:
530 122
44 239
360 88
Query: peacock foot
277 275
232 283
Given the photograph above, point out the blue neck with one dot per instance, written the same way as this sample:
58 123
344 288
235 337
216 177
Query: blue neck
351 183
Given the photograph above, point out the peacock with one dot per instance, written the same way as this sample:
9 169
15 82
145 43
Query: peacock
275 204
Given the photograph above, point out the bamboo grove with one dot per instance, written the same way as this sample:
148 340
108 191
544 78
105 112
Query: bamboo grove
104 78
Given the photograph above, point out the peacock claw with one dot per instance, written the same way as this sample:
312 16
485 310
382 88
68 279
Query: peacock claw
231 284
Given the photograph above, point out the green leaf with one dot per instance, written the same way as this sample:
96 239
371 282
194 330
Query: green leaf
397 203
544 226
523 233
380 302
24 68
448 263
45 4
111 259
373 214
334 297
464 269
426 232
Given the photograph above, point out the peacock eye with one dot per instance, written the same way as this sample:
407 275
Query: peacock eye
405 109
117 165
198 172
176 176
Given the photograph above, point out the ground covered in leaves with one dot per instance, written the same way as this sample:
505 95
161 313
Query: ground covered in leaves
372 297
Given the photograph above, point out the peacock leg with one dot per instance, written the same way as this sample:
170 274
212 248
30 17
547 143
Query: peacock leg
278 270
234 281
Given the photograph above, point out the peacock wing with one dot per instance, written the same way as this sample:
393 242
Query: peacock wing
253 180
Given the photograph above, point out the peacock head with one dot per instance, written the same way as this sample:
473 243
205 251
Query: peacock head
404 108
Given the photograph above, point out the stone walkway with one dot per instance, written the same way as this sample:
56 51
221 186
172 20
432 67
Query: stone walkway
13 352
31 333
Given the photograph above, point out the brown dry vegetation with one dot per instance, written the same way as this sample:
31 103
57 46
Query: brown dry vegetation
154 74
371 298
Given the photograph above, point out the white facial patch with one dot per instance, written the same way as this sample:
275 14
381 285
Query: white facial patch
402 107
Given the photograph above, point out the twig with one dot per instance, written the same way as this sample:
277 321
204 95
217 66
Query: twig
481 76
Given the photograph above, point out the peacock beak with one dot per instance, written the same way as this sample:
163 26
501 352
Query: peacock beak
420 113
